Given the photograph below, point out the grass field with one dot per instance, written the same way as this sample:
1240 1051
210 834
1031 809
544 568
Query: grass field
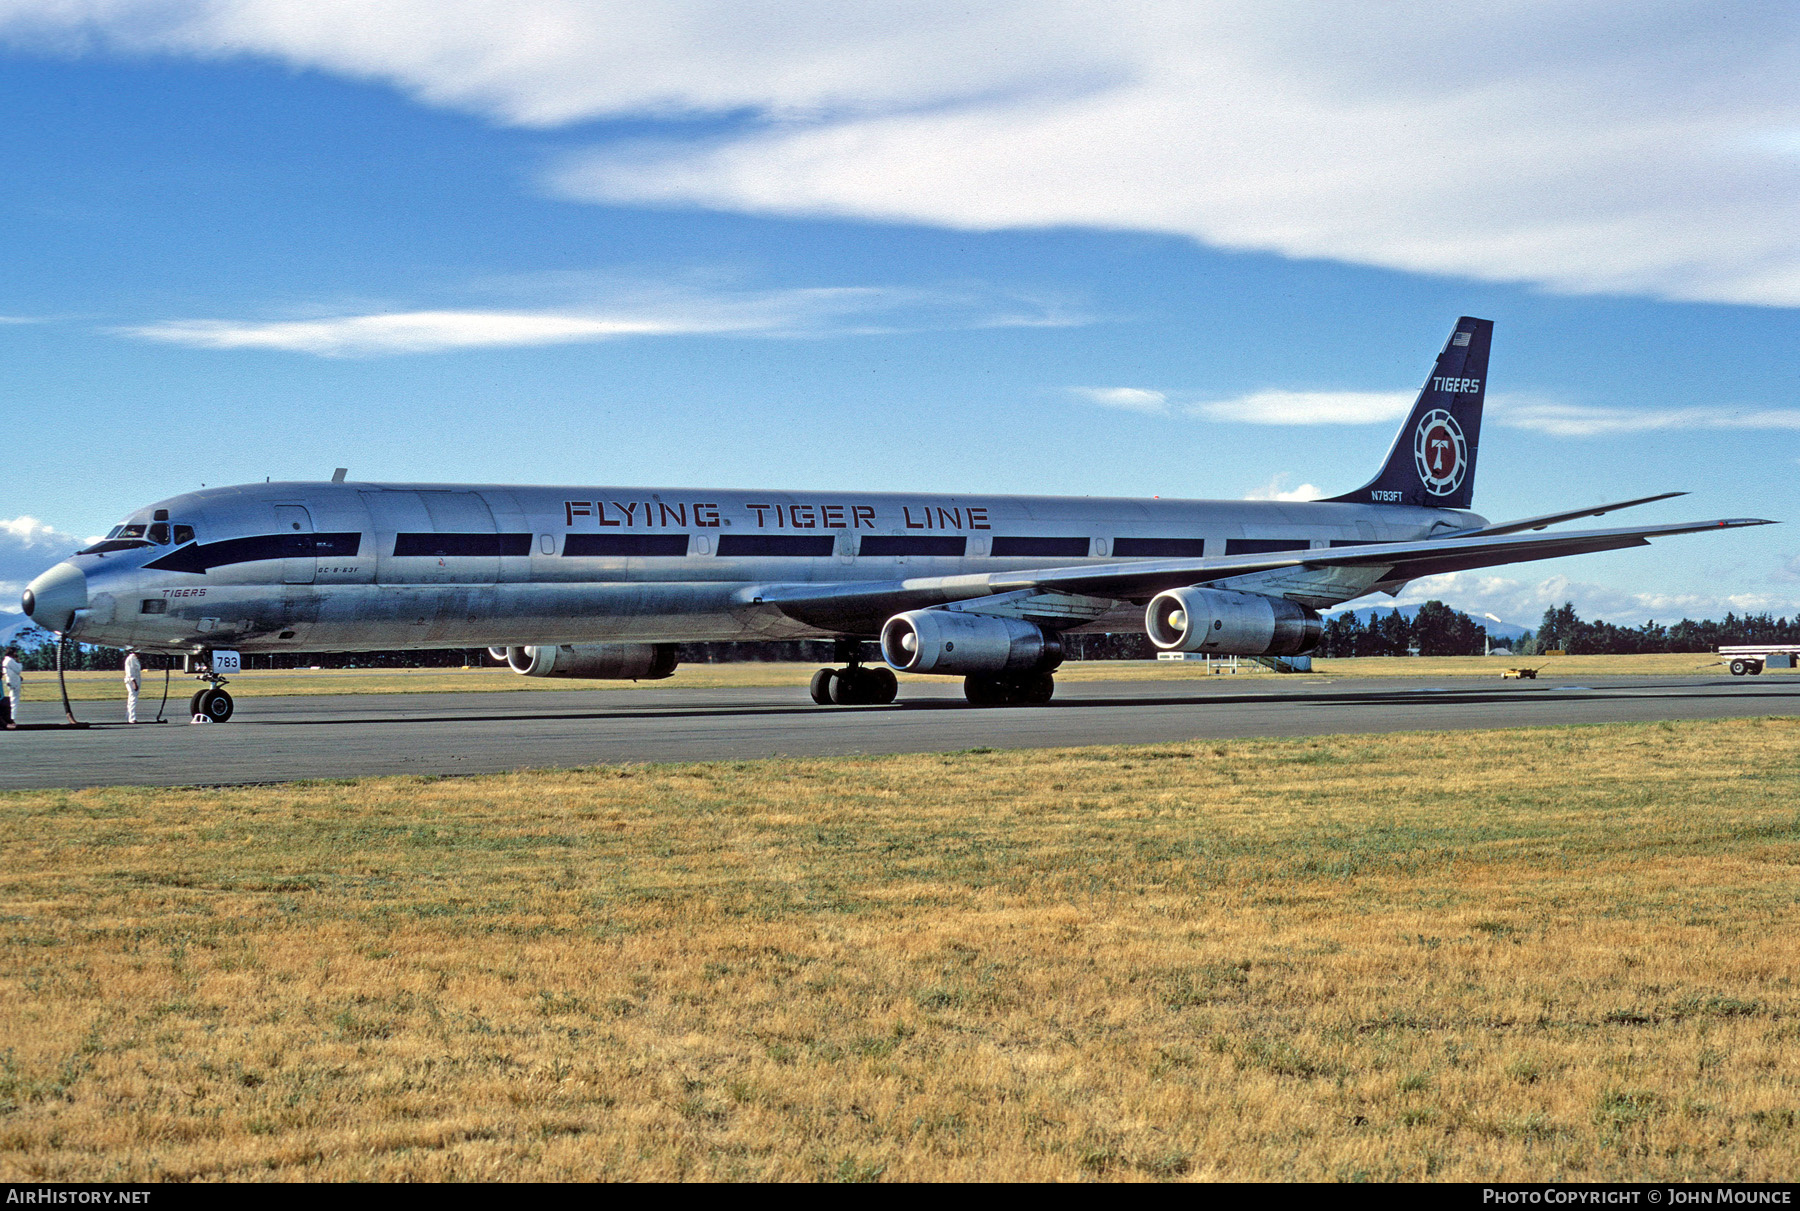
100 687
1524 955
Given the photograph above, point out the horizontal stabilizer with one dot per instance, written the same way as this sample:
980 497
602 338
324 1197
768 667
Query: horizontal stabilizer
1550 519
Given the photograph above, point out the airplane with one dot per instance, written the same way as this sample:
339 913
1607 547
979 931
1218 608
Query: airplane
605 582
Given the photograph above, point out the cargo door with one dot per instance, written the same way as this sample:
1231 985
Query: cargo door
466 543
433 537
514 541
299 563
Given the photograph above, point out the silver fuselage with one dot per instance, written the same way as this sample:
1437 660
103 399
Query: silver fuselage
359 566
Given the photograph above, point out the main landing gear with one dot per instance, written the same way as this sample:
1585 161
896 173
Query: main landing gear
1033 690
854 684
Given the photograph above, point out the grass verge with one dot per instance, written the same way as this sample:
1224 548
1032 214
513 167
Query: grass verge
1548 954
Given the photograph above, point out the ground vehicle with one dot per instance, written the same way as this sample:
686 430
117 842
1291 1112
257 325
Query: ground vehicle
1750 658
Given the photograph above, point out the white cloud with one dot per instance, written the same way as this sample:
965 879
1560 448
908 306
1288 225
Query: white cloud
789 313
1262 407
397 332
1273 490
1387 407
27 547
1309 407
1581 420
1131 399
1638 146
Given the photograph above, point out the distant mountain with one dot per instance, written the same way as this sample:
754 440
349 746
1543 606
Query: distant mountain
11 624
1495 629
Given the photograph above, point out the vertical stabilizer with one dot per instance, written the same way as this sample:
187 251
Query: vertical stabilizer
1432 462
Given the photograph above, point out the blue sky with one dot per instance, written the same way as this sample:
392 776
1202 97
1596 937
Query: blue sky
1187 251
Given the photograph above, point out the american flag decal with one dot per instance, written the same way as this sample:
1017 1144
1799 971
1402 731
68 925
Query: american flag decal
1461 338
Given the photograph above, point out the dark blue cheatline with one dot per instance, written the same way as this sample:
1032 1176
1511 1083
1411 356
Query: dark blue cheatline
448 545
625 544
912 544
1033 547
1263 546
201 556
804 545
1160 548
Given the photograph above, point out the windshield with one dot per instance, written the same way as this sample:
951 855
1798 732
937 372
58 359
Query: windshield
132 535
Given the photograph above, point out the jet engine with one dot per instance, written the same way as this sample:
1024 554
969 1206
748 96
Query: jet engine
973 645
598 661
1230 624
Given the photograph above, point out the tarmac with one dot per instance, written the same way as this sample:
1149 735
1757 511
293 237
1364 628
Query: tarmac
361 735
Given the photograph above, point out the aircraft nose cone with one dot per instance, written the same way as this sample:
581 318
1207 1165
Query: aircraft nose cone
52 599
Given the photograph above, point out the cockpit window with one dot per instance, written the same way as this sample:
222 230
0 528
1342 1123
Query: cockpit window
129 536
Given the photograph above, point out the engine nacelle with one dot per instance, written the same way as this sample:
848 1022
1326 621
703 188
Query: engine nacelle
952 642
1230 624
597 661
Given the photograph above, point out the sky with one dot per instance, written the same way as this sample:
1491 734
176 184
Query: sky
1179 249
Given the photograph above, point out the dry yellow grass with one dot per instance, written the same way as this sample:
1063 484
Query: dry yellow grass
107 687
1537 954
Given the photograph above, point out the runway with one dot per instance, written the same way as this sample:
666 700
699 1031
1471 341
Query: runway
343 736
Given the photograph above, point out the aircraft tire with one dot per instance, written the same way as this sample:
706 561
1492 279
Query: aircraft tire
985 691
1738 668
850 687
1037 691
822 686
884 686
194 703
215 705
1755 668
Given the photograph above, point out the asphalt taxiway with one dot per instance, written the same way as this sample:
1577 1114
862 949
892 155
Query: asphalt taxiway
358 735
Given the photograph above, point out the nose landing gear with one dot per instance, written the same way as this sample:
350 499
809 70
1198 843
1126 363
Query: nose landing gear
212 701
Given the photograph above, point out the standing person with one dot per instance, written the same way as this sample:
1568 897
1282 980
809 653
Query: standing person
11 673
134 676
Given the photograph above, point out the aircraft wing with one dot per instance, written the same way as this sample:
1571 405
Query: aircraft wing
861 606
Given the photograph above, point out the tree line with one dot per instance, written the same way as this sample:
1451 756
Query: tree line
1563 629
1435 630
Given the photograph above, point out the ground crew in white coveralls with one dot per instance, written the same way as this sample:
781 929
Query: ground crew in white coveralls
134 675
11 673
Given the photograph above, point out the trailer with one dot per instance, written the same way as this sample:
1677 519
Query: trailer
1749 659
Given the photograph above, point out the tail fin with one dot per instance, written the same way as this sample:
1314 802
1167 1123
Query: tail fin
1432 462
